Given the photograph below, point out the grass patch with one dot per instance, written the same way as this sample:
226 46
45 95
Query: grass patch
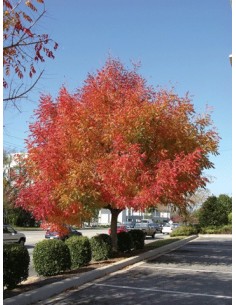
162 242
28 228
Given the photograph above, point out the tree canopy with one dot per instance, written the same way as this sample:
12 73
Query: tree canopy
215 211
115 143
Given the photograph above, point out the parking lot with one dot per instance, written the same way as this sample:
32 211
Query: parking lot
198 273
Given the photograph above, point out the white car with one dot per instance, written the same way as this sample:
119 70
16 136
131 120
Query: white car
10 235
168 228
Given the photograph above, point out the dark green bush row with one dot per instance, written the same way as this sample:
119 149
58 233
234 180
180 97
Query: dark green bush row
133 239
51 257
101 245
16 261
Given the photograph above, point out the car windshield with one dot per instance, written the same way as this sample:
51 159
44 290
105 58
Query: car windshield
8 229
141 225
72 230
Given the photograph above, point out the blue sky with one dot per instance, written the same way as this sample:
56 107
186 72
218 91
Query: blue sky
180 43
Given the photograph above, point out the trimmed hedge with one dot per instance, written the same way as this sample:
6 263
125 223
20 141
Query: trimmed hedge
227 229
16 262
193 229
184 231
138 239
80 251
101 246
124 242
51 257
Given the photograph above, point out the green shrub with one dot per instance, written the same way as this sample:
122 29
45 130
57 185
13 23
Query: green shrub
101 246
138 239
124 242
227 229
230 218
51 257
184 231
80 250
16 261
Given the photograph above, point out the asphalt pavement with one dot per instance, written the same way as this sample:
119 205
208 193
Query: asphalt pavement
193 271
200 272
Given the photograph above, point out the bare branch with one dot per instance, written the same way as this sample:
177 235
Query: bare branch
22 95
23 48
25 44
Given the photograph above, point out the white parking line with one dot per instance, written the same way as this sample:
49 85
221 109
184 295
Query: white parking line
179 255
184 269
209 248
166 291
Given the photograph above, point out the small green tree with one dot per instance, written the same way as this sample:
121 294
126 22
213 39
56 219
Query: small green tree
11 214
226 203
215 210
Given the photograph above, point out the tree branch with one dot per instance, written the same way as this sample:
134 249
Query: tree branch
11 98
25 44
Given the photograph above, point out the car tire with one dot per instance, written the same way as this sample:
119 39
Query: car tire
153 235
22 242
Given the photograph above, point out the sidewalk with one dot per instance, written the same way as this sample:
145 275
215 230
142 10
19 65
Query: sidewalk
48 291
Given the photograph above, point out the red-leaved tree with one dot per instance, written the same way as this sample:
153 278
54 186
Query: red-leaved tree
117 143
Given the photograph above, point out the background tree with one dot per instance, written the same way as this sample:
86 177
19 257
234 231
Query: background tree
12 214
189 213
117 143
8 189
23 48
215 211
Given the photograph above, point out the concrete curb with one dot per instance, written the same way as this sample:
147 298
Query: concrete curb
215 235
48 291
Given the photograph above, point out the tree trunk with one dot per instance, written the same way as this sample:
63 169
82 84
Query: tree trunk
114 217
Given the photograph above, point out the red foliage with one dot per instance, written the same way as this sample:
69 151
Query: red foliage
115 143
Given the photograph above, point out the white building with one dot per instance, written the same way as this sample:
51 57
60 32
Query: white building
104 216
